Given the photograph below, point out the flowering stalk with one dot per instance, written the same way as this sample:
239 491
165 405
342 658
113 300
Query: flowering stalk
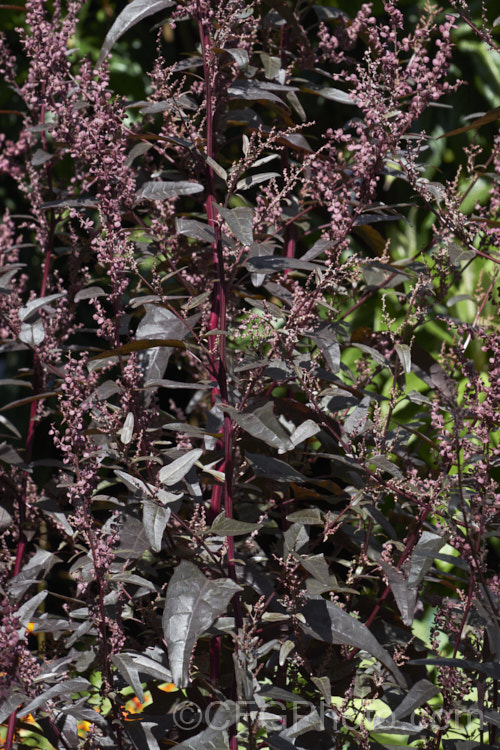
335 445
217 345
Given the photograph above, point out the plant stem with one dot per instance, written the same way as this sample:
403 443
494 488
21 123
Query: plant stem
217 349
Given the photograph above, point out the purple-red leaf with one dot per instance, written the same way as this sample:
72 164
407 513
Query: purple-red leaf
129 17
193 603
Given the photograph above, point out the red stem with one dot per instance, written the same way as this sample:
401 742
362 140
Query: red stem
22 541
217 351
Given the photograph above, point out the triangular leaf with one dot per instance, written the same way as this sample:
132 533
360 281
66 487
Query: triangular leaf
239 221
240 55
128 670
303 432
263 425
459 254
193 603
317 566
151 667
40 157
324 687
423 556
27 610
327 622
355 422
177 470
155 518
273 468
32 334
146 489
64 688
404 353
223 526
420 693
325 337
37 567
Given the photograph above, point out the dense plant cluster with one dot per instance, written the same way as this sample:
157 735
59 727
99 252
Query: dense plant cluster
251 384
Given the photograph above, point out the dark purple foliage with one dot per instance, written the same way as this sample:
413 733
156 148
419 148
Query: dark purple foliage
252 375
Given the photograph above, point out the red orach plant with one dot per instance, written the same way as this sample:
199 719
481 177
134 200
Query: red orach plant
254 451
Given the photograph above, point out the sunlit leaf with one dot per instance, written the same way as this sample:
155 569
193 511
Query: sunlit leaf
155 518
193 602
255 179
129 17
159 191
35 305
239 55
263 425
239 221
220 171
223 526
404 353
173 473
61 689
405 595
128 670
423 556
421 692
215 737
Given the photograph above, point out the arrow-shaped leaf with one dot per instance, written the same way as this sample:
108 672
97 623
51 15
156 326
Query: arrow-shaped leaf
263 425
155 518
423 556
223 526
239 221
404 353
37 304
420 693
128 670
325 621
177 470
193 603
